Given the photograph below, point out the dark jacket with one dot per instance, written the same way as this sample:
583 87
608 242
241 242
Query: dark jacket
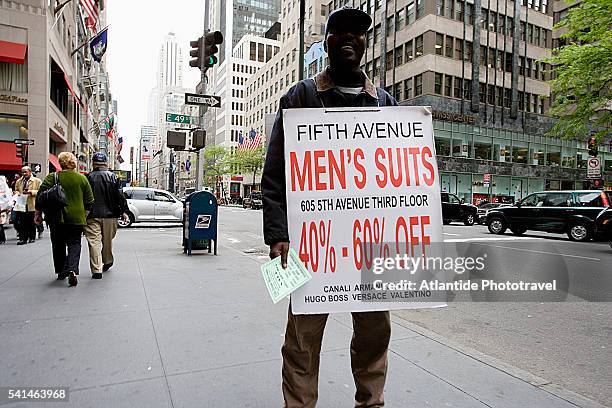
109 200
317 92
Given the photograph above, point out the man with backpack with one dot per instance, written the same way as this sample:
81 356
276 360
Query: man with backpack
109 204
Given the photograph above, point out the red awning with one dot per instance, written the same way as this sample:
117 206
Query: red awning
13 52
54 162
76 98
8 157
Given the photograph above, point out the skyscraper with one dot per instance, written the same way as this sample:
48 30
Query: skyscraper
170 68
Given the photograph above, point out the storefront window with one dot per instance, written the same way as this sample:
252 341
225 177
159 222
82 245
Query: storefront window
483 148
480 192
520 188
464 187
535 185
520 152
501 189
501 150
607 162
553 155
568 157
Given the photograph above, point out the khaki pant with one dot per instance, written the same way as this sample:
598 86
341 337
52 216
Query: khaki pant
100 233
371 335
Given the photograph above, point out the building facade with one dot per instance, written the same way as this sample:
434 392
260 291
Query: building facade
478 66
51 91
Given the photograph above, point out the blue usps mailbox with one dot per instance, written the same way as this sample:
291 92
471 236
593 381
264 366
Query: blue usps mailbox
200 222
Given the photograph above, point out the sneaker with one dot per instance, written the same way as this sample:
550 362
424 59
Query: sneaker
106 267
31 241
96 275
22 242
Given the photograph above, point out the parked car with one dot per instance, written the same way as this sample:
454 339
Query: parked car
253 201
151 205
569 212
603 225
454 209
483 210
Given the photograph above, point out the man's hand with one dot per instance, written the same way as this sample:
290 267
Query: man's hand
38 218
280 249
125 217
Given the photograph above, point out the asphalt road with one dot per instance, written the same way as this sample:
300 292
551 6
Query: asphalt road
566 342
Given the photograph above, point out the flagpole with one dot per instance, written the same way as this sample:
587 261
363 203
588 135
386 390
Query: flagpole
59 10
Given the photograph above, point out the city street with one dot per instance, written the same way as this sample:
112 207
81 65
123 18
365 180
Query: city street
165 330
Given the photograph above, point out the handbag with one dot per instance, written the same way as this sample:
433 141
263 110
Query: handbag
53 200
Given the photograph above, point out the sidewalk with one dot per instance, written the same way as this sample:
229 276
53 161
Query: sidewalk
166 330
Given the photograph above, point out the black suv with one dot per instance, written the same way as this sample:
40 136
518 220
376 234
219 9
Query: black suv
454 209
570 212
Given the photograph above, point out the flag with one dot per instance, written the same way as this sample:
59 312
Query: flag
97 45
252 142
109 122
91 24
188 165
91 9
119 144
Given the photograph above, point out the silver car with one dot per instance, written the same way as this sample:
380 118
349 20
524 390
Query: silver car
151 205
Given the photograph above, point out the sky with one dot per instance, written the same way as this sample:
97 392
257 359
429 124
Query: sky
136 31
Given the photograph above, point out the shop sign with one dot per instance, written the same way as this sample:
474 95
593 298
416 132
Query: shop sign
454 117
13 99
59 128
486 180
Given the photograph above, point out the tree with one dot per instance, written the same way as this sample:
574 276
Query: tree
249 161
216 165
583 72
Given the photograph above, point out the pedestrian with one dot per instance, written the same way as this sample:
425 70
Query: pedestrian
67 227
109 204
27 185
341 84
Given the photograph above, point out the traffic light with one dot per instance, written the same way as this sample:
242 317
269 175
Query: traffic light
196 52
592 143
211 40
199 139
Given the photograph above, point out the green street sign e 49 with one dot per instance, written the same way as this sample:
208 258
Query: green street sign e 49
177 118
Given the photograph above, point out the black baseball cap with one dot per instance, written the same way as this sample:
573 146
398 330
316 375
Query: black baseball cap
348 17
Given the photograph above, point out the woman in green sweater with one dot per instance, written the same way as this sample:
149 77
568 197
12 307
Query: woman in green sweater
66 231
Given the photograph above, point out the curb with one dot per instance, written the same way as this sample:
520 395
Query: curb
539 382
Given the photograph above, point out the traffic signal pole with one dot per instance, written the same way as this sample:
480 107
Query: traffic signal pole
199 161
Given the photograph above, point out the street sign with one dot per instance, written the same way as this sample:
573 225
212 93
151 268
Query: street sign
23 141
486 180
593 168
36 167
178 118
204 100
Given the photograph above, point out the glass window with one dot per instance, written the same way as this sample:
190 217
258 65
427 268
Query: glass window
439 43
448 85
520 152
418 85
142 195
418 44
534 200
501 151
568 157
558 200
449 47
483 147
553 155
457 88
159 196
443 145
591 199
410 13
408 88
438 83
461 145
536 154
408 51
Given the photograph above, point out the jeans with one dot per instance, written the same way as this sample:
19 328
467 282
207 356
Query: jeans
66 246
